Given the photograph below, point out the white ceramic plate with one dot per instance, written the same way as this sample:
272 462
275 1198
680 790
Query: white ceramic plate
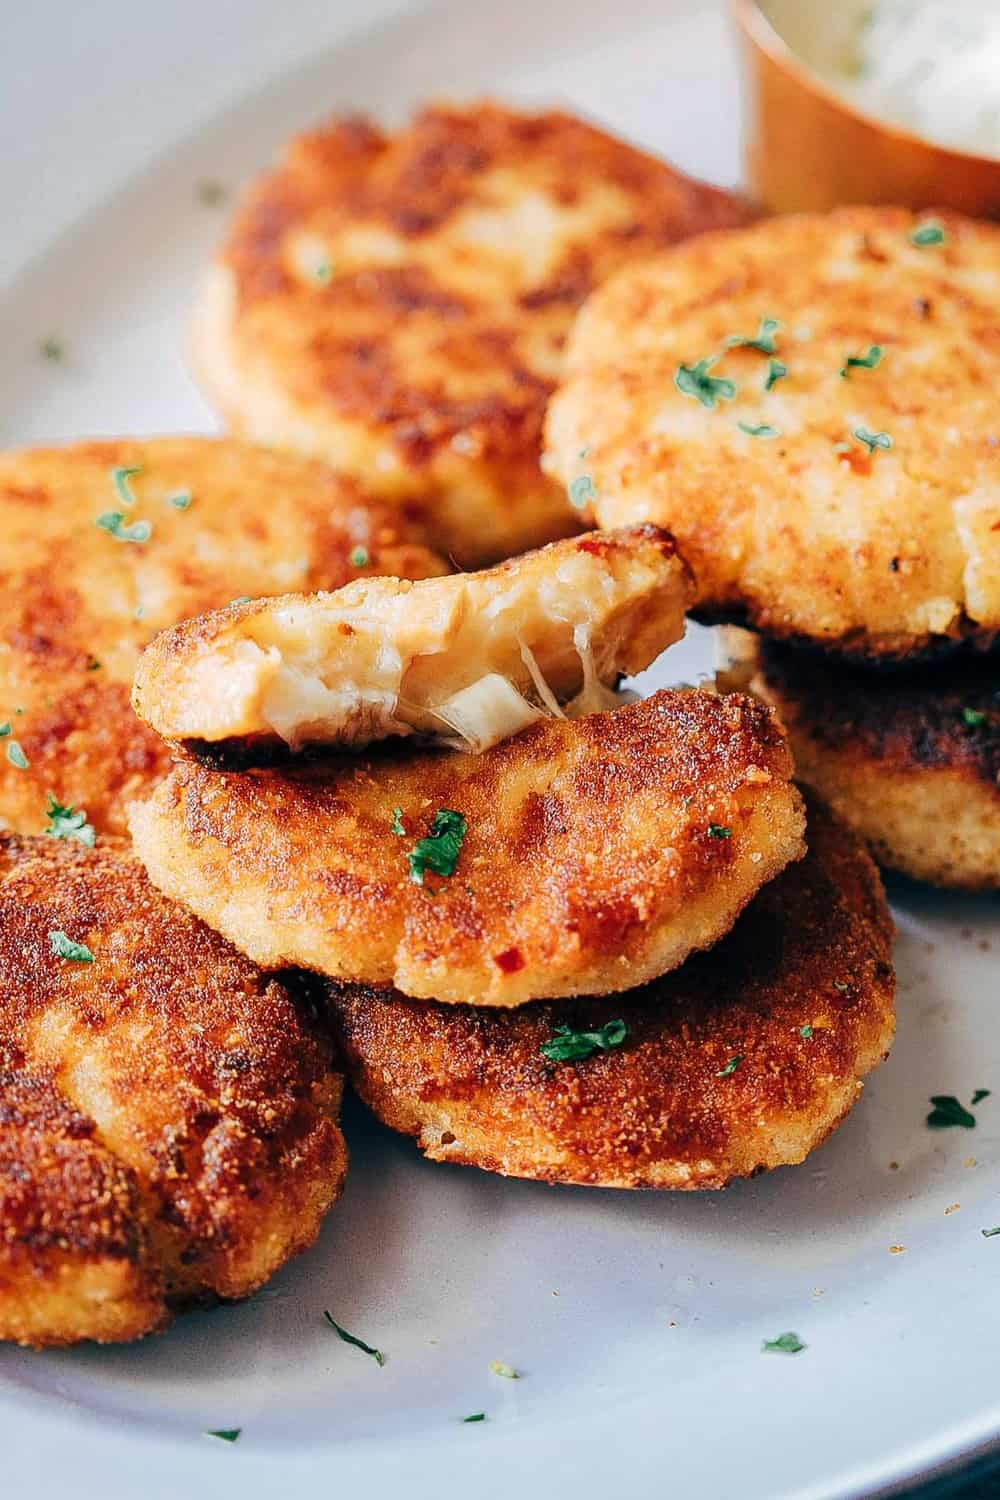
637 1320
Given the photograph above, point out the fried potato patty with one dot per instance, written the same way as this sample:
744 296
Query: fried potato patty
465 661
597 852
78 600
168 1116
836 474
910 760
398 304
743 1060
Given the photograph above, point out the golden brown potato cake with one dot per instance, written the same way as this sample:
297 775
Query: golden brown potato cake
910 760
464 661
78 602
743 1060
582 856
773 466
168 1116
398 304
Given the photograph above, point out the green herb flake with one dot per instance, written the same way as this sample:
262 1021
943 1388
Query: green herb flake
764 430
785 1343
980 1094
582 492
973 717
349 1338
506 1371
841 984
948 1112
16 755
68 823
210 193
775 371
53 350
241 599
989 1233
120 479
730 1067
805 1032
93 665
574 1046
111 521
359 557
719 831
763 340
322 273
64 947
440 849
696 382
225 1434
477 1416
396 825
181 500
927 233
4 730
869 361
872 440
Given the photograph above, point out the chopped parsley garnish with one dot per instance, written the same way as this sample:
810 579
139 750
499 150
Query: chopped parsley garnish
64 947
225 1434
573 1046
507 1371
210 193
241 599
16 755
805 1032
765 430
322 272
181 500
719 831
973 717
111 521
989 1233
120 479
775 371
93 665
4 729
696 382
948 1111
52 349
841 984
358 557
785 1343
349 1338
582 492
477 1416
397 822
730 1067
439 850
869 361
763 340
928 233
872 440
68 823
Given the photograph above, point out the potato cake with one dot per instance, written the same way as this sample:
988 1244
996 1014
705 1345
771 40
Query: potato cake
910 760
581 856
398 303
104 544
464 661
809 405
744 1059
168 1116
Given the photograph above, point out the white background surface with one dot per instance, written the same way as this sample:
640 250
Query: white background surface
110 114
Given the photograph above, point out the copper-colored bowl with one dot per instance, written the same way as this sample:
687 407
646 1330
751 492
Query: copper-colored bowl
808 147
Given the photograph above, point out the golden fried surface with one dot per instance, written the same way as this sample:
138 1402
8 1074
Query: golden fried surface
77 605
910 760
599 852
168 1117
806 529
398 304
800 994
466 660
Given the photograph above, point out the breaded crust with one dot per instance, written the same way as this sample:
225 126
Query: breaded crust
806 530
77 605
398 304
168 1116
800 993
599 852
465 661
910 760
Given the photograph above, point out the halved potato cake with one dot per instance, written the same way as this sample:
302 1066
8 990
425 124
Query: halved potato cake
910 760
743 1060
809 405
398 303
168 1116
581 856
465 661
104 544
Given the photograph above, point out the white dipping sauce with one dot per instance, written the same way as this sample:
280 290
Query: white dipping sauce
932 66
